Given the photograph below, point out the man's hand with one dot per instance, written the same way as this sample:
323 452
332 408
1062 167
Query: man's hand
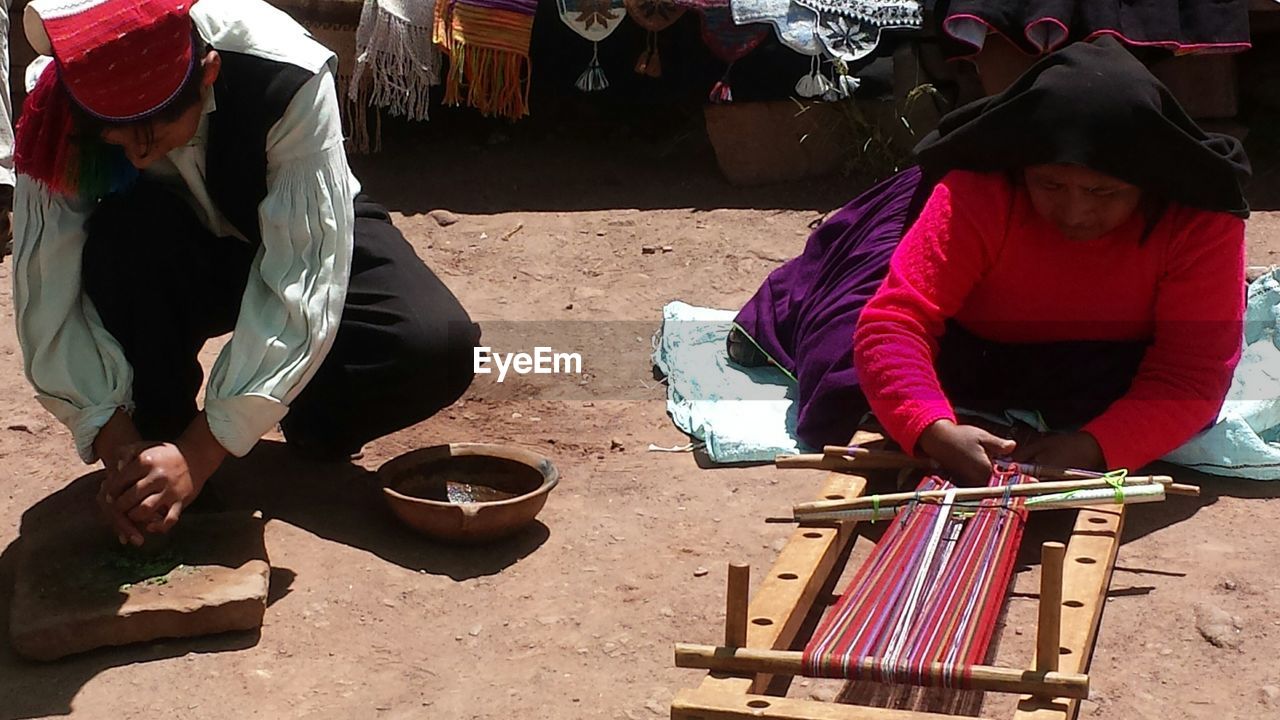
164 486
964 450
1072 450
161 479
116 445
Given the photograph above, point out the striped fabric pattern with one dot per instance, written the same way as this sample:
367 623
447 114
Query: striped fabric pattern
487 42
924 605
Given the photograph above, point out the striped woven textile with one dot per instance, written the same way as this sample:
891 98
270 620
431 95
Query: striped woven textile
924 605
334 23
487 42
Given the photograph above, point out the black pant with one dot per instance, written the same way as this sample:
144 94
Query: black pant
1069 383
163 285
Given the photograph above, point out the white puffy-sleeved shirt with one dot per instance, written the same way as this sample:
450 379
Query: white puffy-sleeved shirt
297 285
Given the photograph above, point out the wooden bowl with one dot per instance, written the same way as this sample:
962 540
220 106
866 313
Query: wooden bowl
468 492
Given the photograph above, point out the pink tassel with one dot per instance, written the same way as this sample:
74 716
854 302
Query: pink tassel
721 93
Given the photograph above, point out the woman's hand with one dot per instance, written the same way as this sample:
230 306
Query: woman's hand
1072 450
966 451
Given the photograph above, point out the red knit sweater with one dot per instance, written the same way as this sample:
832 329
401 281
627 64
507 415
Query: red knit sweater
981 254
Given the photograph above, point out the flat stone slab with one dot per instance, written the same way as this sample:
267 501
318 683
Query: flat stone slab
76 588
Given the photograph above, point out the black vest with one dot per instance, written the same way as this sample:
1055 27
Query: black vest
251 94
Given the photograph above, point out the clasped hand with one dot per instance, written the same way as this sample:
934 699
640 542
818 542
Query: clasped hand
149 484
147 489
968 451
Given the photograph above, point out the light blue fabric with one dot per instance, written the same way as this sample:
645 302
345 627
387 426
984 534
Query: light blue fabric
748 414
742 414
1245 442
796 26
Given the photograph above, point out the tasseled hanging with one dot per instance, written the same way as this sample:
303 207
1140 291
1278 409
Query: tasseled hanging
721 92
842 85
654 69
592 79
729 42
642 62
815 84
649 64
654 16
594 20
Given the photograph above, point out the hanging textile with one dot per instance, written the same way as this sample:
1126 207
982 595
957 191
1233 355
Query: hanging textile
594 20
487 42
797 28
729 42
931 592
1183 27
850 29
702 4
336 25
795 25
395 53
654 16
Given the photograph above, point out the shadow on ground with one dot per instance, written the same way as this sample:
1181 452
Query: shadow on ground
338 502
486 169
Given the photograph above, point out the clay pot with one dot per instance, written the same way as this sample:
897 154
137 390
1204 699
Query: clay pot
467 492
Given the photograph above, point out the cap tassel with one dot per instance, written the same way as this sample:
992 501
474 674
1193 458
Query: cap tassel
44 134
49 150
593 79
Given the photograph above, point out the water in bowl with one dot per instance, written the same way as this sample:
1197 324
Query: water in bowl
469 480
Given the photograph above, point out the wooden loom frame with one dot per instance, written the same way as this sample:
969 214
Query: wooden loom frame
788 594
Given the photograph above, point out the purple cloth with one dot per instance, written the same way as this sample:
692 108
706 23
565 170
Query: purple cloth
805 313
524 7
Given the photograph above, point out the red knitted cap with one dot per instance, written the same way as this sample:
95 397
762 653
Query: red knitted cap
120 60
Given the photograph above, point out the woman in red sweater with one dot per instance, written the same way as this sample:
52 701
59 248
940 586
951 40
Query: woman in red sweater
1074 246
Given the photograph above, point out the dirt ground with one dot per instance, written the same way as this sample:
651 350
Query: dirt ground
576 618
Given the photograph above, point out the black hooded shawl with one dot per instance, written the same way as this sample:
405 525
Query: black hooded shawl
1093 104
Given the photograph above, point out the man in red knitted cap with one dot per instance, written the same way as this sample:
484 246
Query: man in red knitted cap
181 175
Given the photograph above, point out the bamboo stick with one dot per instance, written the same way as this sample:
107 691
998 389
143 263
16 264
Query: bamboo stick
1074 500
897 457
888 459
1049 627
791 662
1089 497
735 615
973 493
1043 472
1048 472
